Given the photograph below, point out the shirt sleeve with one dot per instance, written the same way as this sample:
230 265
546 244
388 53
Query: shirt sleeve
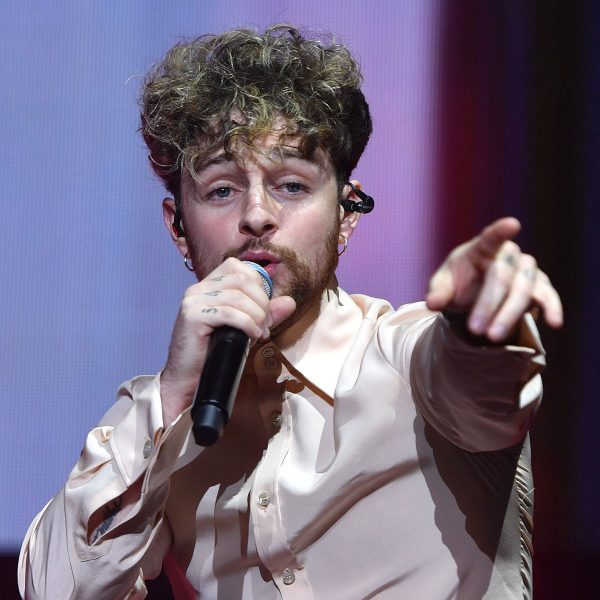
479 397
105 531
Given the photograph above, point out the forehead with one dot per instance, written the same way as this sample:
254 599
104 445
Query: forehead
243 139
272 148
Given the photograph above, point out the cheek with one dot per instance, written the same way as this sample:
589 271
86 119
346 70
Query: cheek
209 235
313 228
204 248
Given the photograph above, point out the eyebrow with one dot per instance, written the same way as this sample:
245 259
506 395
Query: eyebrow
219 159
276 153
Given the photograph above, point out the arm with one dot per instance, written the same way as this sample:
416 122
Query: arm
479 397
105 531
475 372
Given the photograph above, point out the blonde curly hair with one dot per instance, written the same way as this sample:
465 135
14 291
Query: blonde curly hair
190 98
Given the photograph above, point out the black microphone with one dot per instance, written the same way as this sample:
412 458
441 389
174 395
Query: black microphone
225 360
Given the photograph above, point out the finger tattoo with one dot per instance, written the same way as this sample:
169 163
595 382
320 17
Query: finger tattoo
211 310
212 293
217 278
508 258
529 273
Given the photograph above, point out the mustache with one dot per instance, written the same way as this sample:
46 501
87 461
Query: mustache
280 252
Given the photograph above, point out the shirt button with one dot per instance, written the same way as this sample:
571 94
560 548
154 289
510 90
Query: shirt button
288 576
264 499
271 363
268 352
147 448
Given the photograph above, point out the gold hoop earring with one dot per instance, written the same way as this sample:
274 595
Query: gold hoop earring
187 261
345 245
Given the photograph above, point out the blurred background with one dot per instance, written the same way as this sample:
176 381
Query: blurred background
481 109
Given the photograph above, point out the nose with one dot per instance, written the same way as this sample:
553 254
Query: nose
259 217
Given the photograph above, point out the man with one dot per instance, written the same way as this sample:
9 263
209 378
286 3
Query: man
371 452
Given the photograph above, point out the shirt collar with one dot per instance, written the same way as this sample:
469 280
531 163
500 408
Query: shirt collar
318 354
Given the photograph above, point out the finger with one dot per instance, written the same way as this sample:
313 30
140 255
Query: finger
232 274
280 309
517 301
201 302
218 316
497 283
547 298
236 299
491 239
244 283
441 290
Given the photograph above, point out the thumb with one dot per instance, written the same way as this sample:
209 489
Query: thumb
441 290
281 308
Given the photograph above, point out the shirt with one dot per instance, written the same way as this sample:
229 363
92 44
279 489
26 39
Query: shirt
381 455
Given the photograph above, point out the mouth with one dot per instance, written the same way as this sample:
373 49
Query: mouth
266 260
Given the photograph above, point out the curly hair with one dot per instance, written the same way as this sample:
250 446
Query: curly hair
191 98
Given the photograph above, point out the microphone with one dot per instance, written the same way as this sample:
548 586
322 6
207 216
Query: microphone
225 360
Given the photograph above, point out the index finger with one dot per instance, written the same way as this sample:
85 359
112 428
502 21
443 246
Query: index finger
493 236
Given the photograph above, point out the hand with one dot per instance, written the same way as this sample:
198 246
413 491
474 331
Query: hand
233 294
494 283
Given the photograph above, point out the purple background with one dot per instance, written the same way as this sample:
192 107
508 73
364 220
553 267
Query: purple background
92 281
480 110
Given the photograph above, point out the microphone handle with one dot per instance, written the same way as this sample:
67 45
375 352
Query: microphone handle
219 382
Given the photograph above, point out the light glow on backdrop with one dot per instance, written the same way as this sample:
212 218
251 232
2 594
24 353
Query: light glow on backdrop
91 283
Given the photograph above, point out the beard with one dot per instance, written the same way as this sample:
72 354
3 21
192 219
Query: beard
306 283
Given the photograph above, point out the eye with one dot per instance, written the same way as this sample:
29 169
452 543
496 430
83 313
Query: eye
293 187
220 192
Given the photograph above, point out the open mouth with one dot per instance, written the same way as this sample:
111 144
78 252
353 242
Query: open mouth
267 261
263 262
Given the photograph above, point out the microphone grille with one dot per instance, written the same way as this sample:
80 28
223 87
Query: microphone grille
267 281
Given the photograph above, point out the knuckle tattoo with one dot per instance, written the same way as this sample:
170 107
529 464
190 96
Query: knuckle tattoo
528 273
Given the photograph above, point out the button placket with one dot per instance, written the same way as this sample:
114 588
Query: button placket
147 448
271 362
269 533
264 499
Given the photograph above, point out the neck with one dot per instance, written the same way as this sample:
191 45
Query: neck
291 330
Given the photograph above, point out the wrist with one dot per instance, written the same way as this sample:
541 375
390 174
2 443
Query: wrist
458 322
175 398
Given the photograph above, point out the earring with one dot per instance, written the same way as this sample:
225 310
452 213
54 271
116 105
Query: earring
187 261
345 245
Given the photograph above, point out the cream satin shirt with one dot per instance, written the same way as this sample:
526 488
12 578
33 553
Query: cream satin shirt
380 456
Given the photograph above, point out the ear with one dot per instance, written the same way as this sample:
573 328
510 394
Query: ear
348 218
169 212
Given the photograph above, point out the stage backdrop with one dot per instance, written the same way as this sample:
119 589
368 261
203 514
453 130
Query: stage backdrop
480 109
91 281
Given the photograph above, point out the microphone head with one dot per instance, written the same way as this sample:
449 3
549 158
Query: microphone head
267 281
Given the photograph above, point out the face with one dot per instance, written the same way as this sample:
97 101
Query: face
274 207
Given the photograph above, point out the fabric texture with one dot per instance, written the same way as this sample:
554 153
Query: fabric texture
379 456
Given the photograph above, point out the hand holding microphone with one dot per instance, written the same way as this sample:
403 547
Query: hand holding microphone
232 297
220 379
